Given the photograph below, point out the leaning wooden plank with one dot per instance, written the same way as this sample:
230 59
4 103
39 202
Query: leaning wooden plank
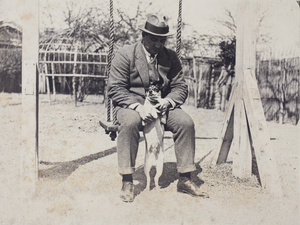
225 138
242 158
240 149
260 137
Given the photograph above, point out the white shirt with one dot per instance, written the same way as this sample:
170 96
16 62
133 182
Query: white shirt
148 56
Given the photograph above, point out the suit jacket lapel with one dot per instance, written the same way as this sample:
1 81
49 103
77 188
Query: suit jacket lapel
163 69
141 64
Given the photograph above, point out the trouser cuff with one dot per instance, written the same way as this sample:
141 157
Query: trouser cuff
186 169
129 170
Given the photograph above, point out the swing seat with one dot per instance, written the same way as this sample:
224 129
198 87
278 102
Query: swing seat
110 128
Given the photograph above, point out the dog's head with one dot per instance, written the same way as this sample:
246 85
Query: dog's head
153 92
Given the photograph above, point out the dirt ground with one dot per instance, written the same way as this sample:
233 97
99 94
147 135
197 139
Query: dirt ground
79 182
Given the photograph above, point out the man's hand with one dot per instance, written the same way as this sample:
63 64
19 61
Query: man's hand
162 105
147 113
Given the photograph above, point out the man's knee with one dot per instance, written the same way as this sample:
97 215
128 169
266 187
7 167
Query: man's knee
128 118
180 121
187 122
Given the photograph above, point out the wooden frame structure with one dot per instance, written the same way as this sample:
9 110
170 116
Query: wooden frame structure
245 114
245 130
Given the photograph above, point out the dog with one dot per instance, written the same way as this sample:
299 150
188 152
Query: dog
153 134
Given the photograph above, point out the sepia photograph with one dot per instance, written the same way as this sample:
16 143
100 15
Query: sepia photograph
131 112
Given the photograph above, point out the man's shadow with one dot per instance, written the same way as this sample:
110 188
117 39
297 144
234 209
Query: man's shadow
168 176
62 170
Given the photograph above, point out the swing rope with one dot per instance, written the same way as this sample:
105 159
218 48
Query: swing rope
110 54
178 37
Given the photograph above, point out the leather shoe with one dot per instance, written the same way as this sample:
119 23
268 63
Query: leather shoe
127 191
185 185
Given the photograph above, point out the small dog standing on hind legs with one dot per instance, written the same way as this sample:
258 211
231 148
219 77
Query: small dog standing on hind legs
154 134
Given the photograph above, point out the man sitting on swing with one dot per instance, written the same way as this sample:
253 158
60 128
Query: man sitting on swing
132 72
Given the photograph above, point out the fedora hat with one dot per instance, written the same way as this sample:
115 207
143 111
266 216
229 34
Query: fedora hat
156 26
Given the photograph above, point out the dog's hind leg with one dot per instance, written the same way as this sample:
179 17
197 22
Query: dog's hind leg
147 168
159 167
159 154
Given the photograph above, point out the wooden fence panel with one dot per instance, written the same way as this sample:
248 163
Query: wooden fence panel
278 82
200 79
61 65
204 83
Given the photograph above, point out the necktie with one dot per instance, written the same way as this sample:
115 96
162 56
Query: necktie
153 73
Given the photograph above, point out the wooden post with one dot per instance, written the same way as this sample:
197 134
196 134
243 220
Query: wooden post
74 77
30 50
245 58
46 78
298 93
223 97
48 88
196 81
282 85
199 79
212 87
53 78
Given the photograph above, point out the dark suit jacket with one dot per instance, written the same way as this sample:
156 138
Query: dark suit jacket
129 76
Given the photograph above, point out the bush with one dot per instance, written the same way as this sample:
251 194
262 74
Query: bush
10 70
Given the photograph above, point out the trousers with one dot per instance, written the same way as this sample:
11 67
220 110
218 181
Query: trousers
178 122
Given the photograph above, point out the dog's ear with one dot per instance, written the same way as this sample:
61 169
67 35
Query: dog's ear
160 83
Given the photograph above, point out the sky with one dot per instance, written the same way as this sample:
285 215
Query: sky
282 17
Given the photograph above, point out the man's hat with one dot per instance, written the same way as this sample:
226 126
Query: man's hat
156 26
